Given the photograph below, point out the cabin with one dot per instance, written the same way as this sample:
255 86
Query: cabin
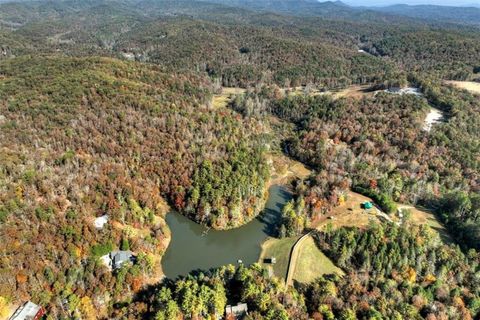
28 311
366 205
121 257
236 312
115 259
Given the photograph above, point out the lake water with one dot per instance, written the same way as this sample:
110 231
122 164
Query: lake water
192 248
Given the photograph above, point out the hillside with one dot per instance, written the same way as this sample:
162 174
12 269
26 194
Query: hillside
92 136
114 113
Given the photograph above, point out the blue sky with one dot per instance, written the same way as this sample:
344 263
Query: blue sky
389 2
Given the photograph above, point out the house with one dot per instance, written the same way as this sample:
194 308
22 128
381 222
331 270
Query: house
115 259
366 205
236 312
100 221
28 311
120 257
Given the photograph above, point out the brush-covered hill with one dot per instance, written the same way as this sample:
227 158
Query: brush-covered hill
83 137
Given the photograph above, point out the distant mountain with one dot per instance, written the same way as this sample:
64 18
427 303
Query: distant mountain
295 7
338 10
463 15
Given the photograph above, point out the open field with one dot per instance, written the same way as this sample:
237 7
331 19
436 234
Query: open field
285 168
222 100
307 262
349 214
471 86
420 216
280 249
354 91
312 263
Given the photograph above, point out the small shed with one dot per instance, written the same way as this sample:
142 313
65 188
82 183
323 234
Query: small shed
271 260
28 311
367 205
236 312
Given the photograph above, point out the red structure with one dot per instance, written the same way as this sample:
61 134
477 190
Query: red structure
28 311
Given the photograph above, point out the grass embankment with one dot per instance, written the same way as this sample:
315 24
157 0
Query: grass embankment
283 170
312 263
280 249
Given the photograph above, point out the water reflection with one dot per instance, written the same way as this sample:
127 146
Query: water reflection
192 248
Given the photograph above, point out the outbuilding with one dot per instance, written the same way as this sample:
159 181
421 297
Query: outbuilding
28 311
367 205
116 259
236 312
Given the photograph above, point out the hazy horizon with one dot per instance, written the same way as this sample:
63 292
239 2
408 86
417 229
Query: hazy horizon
454 3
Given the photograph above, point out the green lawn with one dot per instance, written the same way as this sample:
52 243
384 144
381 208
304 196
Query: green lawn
312 263
280 249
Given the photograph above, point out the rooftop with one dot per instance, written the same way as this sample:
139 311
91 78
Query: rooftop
237 310
100 221
26 312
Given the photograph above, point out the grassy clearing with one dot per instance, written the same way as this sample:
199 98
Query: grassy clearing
280 249
350 213
285 169
422 216
312 263
354 91
471 86
222 100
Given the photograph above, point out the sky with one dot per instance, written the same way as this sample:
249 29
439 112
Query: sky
412 2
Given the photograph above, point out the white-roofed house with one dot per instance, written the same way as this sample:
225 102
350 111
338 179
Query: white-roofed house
28 311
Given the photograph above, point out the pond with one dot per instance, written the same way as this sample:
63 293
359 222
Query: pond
193 247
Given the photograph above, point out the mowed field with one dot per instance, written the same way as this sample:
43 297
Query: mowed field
280 249
312 263
471 86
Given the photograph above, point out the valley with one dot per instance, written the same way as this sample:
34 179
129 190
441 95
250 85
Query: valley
224 159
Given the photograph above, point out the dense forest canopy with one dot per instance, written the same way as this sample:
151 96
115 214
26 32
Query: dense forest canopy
92 136
107 109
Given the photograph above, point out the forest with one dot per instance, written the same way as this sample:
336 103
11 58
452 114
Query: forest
117 144
107 109
377 147
392 273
